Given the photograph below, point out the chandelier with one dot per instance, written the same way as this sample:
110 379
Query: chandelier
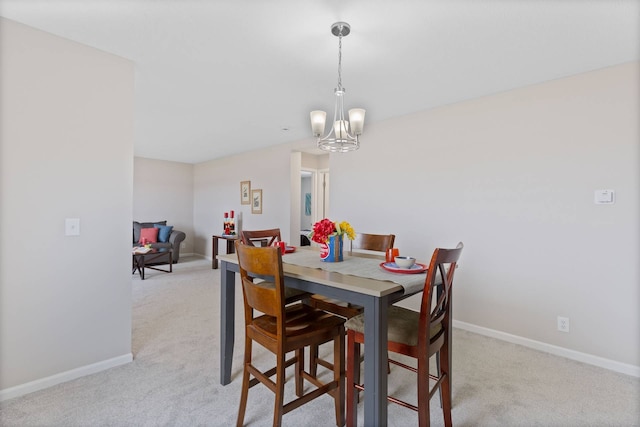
344 134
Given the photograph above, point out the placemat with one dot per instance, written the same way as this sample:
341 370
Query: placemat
357 266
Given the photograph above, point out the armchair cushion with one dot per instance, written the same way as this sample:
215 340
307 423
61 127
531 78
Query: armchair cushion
137 226
164 232
150 234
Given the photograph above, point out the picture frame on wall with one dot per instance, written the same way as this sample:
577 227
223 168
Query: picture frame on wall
256 201
245 192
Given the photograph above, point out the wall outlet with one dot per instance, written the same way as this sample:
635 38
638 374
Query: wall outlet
563 324
182 245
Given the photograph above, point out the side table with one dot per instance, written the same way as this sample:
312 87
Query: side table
231 240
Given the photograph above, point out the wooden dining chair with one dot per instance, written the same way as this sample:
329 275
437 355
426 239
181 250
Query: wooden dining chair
415 334
373 242
364 241
265 237
282 329
369 242
268 238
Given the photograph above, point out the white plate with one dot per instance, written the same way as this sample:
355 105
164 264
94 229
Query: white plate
394 268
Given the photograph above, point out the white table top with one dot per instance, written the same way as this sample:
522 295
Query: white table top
358 273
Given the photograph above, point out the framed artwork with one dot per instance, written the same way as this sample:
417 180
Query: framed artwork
245 192
256 201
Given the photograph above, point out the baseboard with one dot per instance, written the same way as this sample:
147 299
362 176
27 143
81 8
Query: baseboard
194 254
590 359
42 383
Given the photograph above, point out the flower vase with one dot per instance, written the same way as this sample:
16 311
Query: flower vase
332 250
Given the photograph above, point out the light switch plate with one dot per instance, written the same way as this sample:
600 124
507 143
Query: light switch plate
72 227
603 197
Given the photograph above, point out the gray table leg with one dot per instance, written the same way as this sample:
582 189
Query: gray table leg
375 362
227 321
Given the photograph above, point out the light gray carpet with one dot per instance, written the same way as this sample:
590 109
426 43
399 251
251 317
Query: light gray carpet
173 380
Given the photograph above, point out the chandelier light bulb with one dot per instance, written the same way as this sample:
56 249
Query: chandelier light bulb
356 118
341 128
318 119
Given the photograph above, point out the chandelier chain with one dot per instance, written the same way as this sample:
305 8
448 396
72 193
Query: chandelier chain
340 61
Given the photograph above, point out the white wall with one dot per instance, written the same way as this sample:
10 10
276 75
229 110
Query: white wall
66 152
164 191
512 176
217 190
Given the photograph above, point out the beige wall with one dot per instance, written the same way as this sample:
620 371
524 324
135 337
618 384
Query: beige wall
217 190
513 177
164 191
66 152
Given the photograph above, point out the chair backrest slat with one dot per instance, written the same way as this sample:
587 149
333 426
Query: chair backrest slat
262 278
272 235
436 296
373 242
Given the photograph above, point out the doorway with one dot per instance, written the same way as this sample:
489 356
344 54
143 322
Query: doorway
309 193
314 196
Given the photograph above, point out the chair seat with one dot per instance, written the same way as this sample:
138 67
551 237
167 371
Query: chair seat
335 306
302 325
292 294
402 325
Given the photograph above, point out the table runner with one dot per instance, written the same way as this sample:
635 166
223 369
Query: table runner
356 266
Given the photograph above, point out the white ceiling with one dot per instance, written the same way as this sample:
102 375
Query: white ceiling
215 78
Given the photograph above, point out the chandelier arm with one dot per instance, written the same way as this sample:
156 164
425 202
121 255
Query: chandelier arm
332 127
346 132
339 117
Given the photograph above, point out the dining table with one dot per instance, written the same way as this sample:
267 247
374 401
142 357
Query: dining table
360 279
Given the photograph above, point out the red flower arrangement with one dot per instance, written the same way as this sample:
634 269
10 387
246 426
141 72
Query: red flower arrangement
325 228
